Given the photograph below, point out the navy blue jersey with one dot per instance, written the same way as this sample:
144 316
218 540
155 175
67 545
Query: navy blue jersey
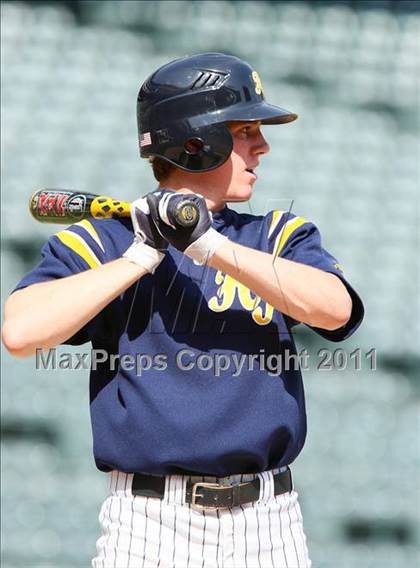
198 381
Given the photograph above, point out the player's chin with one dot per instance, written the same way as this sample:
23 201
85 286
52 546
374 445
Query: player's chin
242 193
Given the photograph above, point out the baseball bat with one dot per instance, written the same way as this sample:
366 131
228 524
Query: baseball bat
66 206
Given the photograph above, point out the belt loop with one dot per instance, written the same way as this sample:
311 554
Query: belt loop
168 490
114 481
271 492
266 486
120 482
175 489
185 480
111 477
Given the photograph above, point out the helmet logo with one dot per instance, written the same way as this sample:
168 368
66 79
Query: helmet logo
258 84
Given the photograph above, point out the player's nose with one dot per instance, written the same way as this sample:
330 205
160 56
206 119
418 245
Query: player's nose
261 145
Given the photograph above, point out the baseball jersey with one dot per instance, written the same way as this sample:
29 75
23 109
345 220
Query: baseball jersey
201 379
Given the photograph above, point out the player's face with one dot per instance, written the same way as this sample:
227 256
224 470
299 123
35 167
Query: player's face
249 145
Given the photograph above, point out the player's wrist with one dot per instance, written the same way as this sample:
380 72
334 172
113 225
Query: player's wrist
144 255
203 248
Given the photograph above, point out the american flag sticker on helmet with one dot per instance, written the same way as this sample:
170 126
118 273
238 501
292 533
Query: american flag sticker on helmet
145 139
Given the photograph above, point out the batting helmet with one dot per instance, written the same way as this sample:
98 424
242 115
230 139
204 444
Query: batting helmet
182 109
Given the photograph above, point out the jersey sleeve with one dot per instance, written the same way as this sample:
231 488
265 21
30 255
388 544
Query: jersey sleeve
297 239
70 251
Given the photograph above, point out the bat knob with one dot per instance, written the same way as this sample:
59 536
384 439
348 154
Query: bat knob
181 212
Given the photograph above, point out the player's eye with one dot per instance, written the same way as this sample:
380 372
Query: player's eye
244 132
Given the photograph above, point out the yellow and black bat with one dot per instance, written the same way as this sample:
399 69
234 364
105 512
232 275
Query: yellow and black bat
68 206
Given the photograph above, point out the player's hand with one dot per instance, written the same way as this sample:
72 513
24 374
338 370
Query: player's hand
148 248
199 242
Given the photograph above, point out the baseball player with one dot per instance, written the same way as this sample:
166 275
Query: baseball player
195 415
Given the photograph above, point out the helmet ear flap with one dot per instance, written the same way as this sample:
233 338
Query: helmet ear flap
206 148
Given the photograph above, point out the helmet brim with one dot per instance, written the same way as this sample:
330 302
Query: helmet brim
262 111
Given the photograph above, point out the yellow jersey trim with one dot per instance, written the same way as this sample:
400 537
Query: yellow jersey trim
288 229
87 225
277 215
78 245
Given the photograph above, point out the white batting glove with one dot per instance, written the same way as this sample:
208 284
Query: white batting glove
148 248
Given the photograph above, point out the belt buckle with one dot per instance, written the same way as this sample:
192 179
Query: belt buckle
194 495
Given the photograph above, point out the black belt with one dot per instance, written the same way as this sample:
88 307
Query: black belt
203 495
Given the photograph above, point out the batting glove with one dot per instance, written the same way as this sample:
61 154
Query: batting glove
148 248
199 242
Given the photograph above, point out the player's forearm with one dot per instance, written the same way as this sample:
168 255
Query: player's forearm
47 314
302 292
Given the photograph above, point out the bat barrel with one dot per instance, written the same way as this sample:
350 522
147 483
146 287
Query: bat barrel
67 206
64 206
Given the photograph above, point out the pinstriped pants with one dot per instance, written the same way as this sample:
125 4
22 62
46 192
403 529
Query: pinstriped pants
146 532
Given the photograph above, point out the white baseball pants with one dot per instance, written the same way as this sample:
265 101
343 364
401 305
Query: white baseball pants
144 532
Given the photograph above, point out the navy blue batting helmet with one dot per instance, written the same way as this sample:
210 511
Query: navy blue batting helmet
183 107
